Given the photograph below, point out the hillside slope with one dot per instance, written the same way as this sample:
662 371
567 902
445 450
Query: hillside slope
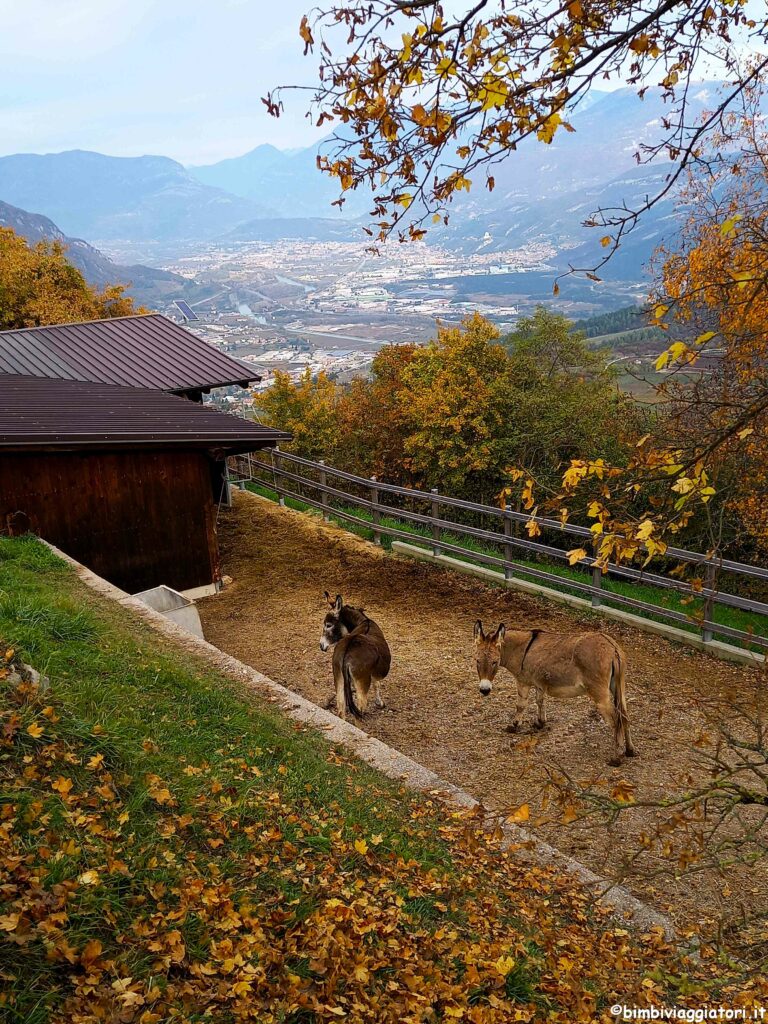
94 196
146 284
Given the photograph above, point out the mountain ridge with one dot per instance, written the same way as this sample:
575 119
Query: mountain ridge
145 284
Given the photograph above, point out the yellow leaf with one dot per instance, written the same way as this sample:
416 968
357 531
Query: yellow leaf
576 555
645 530
89 878
532 528
35 730
745 433
504 965
728 227
8 922
361 846
743 277
522 813
605 241
546 131
705 337
306 34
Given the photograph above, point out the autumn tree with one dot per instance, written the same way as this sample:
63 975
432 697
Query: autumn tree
39 286
566 400
373 422
428 96
455 413
306 409
456 396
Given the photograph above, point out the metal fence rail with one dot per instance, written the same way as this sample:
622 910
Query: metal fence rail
310 480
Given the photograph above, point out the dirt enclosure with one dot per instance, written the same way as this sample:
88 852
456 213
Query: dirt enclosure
270 617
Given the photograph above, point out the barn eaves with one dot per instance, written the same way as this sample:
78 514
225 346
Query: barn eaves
41 414
143 351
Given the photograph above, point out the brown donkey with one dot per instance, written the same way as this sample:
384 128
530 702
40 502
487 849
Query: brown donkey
561 665
360 658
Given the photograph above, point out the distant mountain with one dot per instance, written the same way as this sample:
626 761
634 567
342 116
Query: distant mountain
547 192
146 284
558 219
316 229
134 198
289 183
541 192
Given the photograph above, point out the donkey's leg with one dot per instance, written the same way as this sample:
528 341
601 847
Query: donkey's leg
608 714
629 748
341 704
379 700
362 684
522 700
541 718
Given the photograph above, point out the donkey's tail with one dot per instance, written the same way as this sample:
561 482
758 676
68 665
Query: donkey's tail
619 694
349 689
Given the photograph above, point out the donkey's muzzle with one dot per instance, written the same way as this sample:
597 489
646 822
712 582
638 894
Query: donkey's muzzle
324 645
485 688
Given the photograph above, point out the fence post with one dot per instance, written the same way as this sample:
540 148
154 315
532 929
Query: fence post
375 513
707 633
508 549
275 471
436 549
597 581
322 482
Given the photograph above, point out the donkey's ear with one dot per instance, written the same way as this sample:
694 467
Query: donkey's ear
478 633
328 598
337 603
498 636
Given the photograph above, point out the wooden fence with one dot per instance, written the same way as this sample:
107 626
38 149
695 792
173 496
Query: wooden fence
291 476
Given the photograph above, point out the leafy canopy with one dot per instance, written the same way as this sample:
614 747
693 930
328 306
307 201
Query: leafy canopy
455 413
39 286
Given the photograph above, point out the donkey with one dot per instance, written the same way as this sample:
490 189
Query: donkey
561 665
361 656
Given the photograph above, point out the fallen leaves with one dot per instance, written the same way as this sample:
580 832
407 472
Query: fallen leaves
239 897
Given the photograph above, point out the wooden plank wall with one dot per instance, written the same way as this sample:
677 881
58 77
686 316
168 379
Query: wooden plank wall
137 518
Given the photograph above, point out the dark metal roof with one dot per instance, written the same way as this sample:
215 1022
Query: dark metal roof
37 413
147 351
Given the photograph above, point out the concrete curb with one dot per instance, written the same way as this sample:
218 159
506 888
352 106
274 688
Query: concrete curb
714 647
618 900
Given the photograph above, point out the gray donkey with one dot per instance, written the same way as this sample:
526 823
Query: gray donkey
361 656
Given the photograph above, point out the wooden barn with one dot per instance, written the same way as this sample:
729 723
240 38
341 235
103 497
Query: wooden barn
103 454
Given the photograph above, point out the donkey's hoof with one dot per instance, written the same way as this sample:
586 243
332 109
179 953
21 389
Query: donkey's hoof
631 752
539 725
512 728
615 762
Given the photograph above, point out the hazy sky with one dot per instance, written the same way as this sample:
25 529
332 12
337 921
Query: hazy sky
183 78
